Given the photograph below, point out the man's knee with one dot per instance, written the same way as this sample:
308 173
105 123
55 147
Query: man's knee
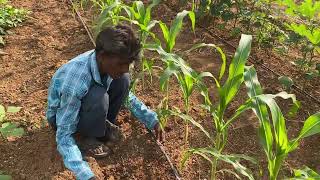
96 100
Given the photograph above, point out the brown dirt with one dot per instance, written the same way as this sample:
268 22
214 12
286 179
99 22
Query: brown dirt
52 36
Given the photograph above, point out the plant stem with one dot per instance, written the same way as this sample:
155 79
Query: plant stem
186 123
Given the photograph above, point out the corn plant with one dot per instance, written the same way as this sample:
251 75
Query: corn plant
170 34
226 93
140 15
273 137
110 12
176 66
173 63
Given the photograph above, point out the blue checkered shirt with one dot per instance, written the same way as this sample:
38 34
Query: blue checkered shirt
68 86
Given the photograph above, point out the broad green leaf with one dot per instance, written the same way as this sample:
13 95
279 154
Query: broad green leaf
248 105
175 29
164 78
2 113
11 129
236 69
147 16
222 54
13 109
5 177
286 81
310 127
278 120
192 17
259 108
187 154
165 31
140 11
104 17
195 123
233 159
305 173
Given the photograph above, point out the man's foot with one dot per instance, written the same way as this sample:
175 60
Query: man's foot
92 147
113 134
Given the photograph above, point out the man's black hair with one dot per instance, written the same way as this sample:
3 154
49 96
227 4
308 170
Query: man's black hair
119 41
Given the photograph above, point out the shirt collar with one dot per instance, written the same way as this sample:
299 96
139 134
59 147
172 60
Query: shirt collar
94 68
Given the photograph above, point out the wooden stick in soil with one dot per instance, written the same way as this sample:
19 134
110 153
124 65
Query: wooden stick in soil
83 23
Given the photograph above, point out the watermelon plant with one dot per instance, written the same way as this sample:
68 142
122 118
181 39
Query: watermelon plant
9 129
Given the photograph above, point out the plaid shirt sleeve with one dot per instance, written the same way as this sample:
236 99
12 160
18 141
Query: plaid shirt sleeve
67 119
141 111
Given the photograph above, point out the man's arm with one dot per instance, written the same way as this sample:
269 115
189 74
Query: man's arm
141 111
67 119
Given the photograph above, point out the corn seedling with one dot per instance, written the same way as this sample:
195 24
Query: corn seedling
140 15
274 140
110 12
226 93
173 63
176 66
171 34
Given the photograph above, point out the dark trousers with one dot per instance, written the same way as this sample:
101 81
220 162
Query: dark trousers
100 105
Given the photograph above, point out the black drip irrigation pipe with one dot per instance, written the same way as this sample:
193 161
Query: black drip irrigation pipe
295 87
173 168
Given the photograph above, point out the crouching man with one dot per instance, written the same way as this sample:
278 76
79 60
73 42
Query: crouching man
85 96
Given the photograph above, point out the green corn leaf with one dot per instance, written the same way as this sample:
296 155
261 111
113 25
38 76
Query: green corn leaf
165 31
138 6
192 17
11 129
310 127
2 113
13 109
175 29
151 24
190 119
233 159
278 120
222 54
147 16
238 112
259 108
236 69
187 154
168 72
104 18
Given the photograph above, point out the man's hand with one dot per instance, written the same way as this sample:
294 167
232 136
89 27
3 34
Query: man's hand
158 132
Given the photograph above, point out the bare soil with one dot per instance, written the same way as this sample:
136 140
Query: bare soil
52 36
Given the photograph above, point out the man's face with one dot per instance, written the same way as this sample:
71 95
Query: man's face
113 66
